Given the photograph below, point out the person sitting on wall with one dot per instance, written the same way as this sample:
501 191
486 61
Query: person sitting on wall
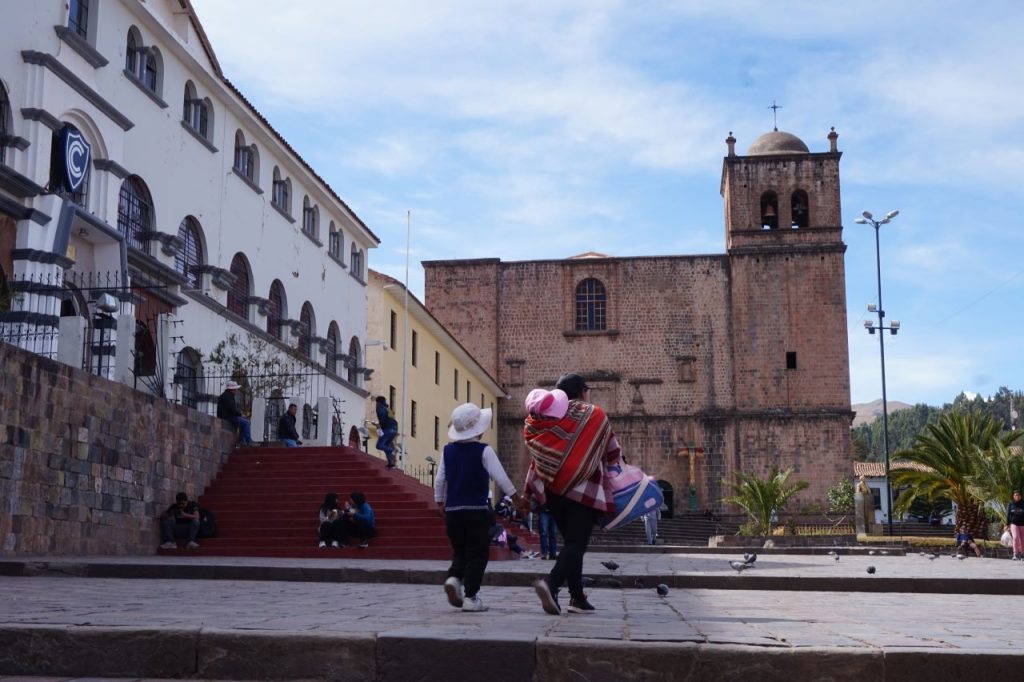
358 521
965 541
286 432
227 409
179 521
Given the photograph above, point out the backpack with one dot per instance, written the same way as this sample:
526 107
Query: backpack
207 523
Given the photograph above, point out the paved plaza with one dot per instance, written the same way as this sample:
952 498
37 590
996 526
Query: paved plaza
56 623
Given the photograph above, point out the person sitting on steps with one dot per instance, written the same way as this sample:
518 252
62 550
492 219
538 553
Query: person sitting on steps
965 541
181 520
286 432
358 521
329 527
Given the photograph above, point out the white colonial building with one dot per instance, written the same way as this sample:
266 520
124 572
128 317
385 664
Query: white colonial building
149 213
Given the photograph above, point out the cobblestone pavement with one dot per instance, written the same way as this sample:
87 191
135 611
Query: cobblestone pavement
242 629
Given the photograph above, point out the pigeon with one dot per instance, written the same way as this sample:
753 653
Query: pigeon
872 553
961 557
871 570
610 565
638 584
662 589
933 557
885 552
739 566
750 558
834 555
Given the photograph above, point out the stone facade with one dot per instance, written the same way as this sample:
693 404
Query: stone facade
87 464
707 365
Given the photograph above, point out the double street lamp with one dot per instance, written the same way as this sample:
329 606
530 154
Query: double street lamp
881 328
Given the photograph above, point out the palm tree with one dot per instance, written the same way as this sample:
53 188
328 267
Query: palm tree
762 499
950 452
998 473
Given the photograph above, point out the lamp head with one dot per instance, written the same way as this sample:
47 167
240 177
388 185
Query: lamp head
894 327
892 214
872 308
867 214
860 221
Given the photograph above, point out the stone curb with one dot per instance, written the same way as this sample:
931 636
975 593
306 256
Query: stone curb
245 655
421 576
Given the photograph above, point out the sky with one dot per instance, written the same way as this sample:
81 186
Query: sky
525 129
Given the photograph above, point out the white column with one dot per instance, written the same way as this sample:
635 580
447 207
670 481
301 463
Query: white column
124 353
72 338
323 421
259 418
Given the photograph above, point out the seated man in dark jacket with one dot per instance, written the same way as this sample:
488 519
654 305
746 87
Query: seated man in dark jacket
227 409
286 432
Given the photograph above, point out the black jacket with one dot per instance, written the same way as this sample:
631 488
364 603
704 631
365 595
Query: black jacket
286 427
227 408
1015 513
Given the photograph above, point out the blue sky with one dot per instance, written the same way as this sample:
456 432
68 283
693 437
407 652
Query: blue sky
522 129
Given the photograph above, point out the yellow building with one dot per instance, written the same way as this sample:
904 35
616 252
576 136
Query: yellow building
439 374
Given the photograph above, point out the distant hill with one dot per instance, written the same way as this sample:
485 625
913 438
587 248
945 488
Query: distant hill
868 412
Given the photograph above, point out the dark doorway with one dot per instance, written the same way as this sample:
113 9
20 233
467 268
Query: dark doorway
666 491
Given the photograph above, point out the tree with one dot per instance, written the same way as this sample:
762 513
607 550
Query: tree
840 497
998 473
950 452
257 365
763 499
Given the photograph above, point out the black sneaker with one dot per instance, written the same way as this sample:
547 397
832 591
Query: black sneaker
580 605
547 599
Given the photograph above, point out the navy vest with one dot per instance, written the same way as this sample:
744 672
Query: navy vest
465 476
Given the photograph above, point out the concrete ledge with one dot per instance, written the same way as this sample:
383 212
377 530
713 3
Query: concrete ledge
240 655
783 664
567 660
97 652
415 656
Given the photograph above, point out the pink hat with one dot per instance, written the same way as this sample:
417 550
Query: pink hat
548 403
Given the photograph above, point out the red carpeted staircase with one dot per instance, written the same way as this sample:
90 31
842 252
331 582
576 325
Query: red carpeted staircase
266 502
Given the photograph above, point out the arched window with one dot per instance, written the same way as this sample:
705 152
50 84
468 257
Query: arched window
310 215
196 112
281 192
5 122
189 258
134 212
278 308
134 52
591 305
354 361
145 351
769 211
186 375
143 63
307 329
335 241
333 336
355 263
238 294
799 209
245 157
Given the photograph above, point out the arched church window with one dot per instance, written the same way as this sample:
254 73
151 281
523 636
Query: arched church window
278 308
238 294
799 209
769 211
591 306
189 258
353 362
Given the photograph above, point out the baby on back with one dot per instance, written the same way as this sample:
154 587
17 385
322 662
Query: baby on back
544 403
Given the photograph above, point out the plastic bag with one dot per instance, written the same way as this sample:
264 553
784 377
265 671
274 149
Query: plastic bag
1006 539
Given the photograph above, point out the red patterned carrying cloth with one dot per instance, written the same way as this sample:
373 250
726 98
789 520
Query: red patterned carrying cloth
568 454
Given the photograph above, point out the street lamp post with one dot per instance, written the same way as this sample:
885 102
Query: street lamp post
881 328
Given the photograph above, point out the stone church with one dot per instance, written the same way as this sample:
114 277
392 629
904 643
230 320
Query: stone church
707 365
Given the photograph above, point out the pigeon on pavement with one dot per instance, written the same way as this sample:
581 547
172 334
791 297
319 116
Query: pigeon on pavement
750 558
872 553
834 555
871 570
739 566
662 589
610 565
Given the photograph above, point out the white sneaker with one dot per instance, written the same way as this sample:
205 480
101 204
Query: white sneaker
322 544
334 544
473 604
193 545
453 589
169 545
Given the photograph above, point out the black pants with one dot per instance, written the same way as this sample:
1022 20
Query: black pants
172 528
576 521
350 527
331 531
470 534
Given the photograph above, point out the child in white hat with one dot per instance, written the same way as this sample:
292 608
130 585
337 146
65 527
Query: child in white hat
460 490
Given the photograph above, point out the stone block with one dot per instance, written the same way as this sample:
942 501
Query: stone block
933 664
568 660
74 652
286 656
784 664
429 654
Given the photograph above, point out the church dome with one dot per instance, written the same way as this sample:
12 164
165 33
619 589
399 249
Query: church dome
777 142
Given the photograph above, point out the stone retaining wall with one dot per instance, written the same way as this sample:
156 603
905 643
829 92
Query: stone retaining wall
86 464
